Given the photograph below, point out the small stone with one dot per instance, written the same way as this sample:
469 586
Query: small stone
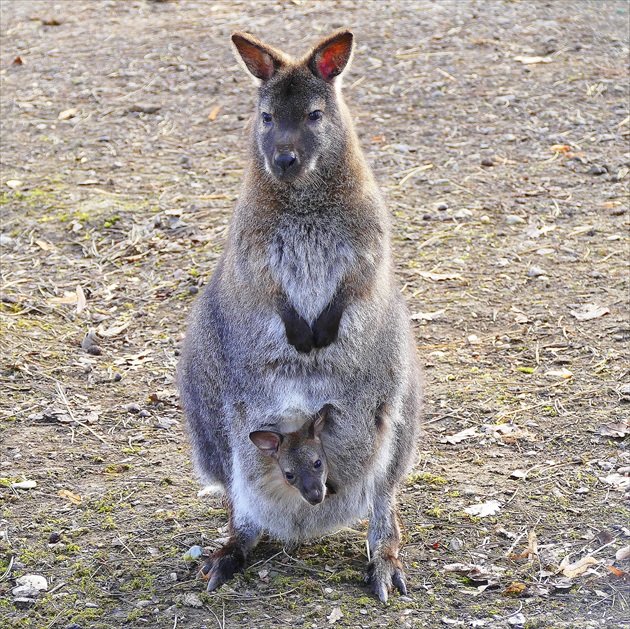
517 620
94 350
193 290
132 408
487 162
535 271
191 600
143 604
145 108
25 484
73 626
442 207
508 137
173 577
512 219
194 552
54 538
597 170
6 241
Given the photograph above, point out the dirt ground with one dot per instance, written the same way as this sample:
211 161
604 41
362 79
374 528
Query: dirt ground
499 133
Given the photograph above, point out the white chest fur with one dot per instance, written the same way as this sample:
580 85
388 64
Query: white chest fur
309 260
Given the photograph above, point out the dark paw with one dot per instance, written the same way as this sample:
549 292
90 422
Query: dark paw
326 328
298 331
221 567
383 575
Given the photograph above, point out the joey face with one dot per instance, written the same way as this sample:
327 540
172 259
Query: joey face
300 456
305 468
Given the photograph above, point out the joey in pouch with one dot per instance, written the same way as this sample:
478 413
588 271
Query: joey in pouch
299 356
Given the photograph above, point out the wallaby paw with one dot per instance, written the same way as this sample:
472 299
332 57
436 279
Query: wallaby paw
221 567
385 574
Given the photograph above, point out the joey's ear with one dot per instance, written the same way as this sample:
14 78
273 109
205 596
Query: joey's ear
261 61
320 421
267 441
331 56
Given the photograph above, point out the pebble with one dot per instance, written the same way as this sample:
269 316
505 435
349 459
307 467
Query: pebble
6 241
132 408
597 170
508 137
29 585
94 350
517 620
54 538
487 162
535 271
442 207
512 219
192 600
194 552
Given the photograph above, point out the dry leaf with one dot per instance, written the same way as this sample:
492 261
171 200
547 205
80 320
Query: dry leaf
474 572
460 436
18 61
619 429
14 184
25 484
589 311
616 480
46 246
334 615
214 113
114 330
439 277
68 298
563 373
514 589
616 571
427 316
68 495
560 148
81 300
525 60
484 509
577 568
623 553
66 114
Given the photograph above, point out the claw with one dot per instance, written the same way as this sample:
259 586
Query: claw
214 582
381 592
398 579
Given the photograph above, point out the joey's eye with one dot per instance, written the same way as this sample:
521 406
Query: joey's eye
315 115
317 464
289 476
267 118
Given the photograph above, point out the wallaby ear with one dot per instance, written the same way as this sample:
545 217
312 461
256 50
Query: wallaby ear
331 56
320 421
261 61
267 441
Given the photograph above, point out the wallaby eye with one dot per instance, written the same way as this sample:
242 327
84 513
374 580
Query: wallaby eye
317 464
315 115
267 118
290 477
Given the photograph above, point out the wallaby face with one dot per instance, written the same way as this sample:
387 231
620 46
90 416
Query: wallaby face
300 456
298 119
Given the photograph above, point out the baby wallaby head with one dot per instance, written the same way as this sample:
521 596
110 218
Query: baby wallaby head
300 456
299 123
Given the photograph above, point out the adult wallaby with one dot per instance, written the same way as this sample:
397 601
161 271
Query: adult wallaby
300 456
302 312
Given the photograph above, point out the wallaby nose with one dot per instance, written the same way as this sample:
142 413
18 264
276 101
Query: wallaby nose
285 160
315 496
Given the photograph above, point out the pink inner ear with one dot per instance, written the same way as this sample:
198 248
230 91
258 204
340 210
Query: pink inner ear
333 60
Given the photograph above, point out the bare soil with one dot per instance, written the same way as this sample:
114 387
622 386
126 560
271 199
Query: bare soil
507 179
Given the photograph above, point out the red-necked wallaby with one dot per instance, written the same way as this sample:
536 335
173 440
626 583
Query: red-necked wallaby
300 456
303 312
